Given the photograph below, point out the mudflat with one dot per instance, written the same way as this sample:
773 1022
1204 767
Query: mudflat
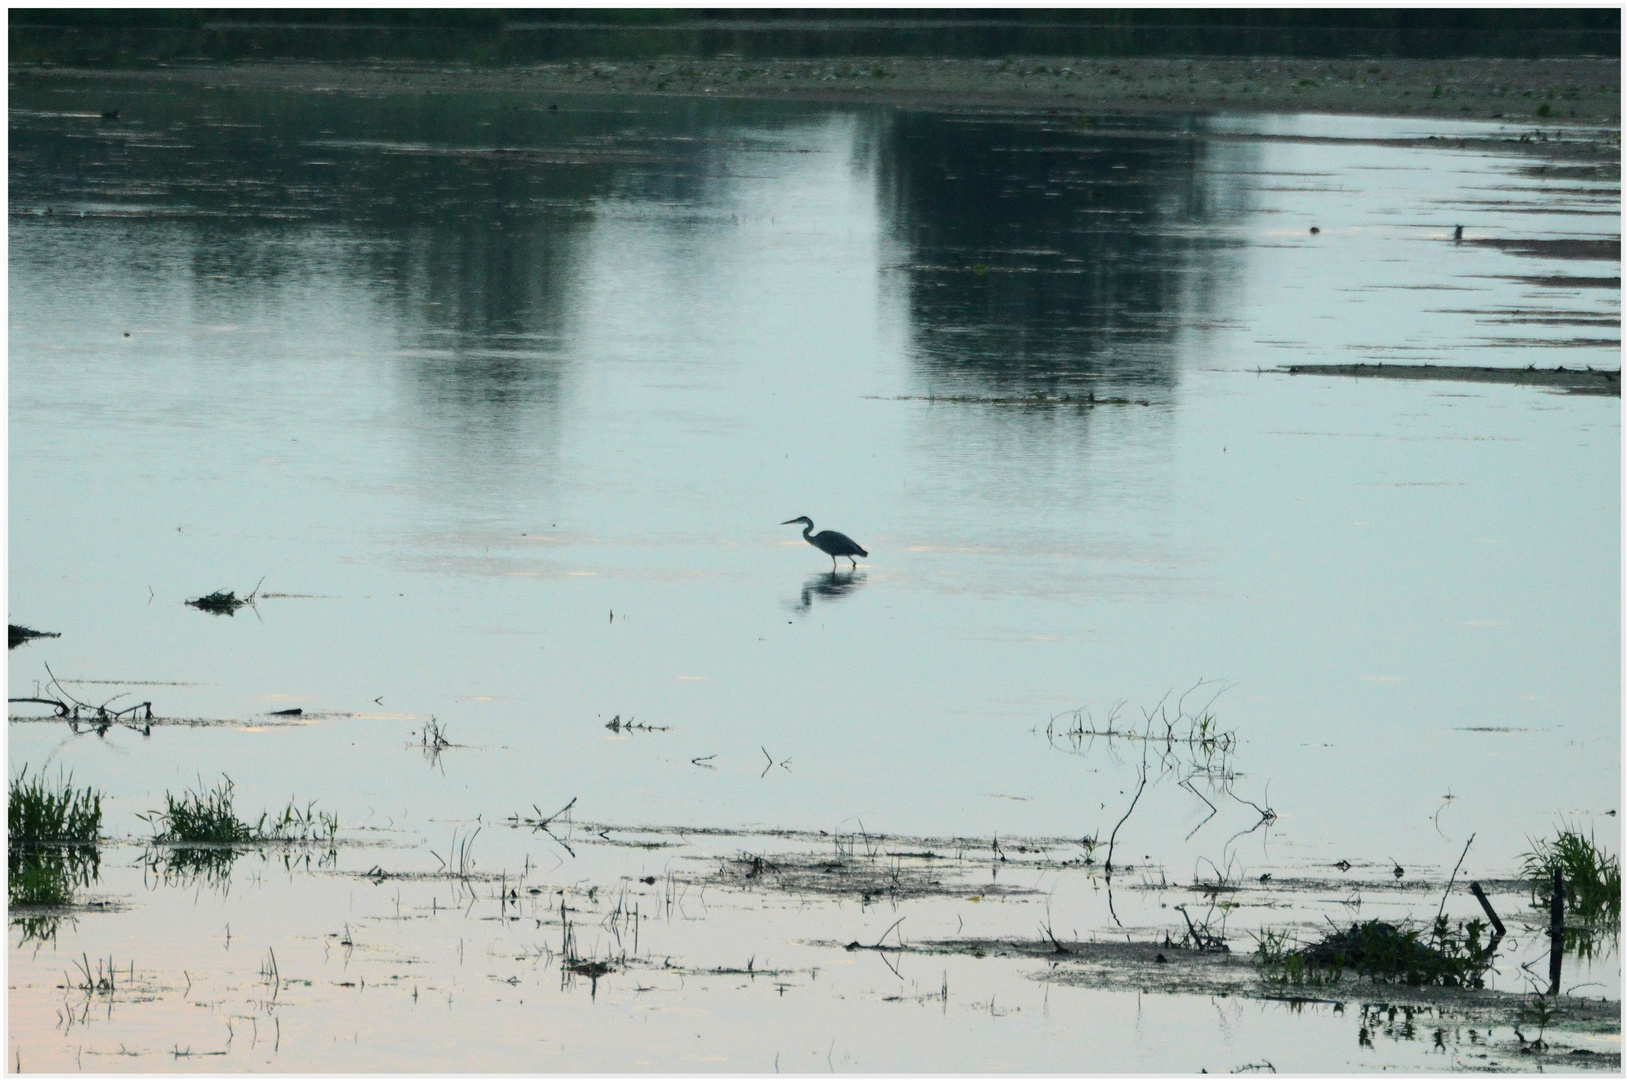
1578 90
1571 380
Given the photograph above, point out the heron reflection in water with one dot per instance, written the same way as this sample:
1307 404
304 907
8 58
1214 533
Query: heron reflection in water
831 586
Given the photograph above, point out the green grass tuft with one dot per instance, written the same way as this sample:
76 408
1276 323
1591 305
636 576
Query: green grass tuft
204 817
1592 878
208 817
308 825
51 842
38 812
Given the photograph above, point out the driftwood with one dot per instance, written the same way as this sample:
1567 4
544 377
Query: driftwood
100 717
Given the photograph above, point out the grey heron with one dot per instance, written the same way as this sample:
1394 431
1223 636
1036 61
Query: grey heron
831 543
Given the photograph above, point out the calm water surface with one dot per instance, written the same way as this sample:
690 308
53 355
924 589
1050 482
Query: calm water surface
505 404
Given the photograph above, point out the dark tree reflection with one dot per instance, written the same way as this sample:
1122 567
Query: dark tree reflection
1050 257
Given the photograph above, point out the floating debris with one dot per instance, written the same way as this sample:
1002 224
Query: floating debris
225 603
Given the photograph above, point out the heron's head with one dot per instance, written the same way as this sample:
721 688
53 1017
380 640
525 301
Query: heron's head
798 521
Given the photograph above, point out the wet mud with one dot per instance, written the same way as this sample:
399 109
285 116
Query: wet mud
1162 968
1595 250
1571 380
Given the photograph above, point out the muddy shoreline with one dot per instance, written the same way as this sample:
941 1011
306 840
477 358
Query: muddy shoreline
1538 92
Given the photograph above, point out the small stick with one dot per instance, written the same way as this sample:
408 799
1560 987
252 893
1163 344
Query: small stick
1113 837
548 820
61 709
1453 878
887 931
1485 905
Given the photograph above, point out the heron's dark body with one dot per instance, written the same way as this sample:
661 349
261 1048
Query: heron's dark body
834 543
829 541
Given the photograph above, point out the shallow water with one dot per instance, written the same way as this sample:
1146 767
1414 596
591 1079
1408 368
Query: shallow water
504 404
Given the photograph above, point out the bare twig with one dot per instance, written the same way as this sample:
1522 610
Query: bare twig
1113 837
543 824
1453 878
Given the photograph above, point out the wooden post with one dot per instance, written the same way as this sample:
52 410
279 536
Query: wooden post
1556 933
1485 905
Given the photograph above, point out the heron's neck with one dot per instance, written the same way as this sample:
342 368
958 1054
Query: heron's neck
806 529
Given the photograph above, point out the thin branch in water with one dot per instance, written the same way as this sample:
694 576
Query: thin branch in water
1452 879
1113 837
889 930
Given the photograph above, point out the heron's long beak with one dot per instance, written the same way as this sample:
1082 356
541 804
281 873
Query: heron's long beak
793 521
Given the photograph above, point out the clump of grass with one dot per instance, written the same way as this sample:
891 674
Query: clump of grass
200 817
1380 952
294 824
51 842
209 817
1592 878
1280 960
38 812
